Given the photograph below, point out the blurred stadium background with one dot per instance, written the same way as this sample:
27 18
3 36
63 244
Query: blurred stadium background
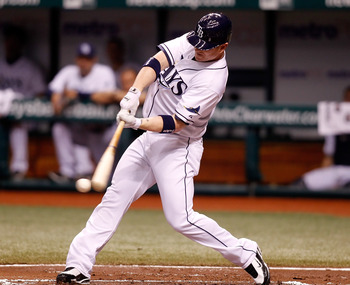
285 57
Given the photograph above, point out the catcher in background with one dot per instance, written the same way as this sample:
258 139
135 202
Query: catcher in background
185 79
334 172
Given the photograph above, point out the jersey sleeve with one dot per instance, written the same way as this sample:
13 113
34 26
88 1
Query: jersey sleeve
175 49
59 82
109 83
197 106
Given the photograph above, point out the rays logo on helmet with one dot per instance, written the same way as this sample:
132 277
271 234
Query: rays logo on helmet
193 110
200 31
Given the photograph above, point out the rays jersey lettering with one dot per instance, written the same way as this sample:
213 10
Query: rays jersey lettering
170 78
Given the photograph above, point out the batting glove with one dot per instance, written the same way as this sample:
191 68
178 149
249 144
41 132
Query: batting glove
129 119
130 101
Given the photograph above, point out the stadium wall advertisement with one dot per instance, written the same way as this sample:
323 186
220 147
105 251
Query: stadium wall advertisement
232 114
311 61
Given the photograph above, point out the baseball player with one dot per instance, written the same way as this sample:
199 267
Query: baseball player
334 172
186 80
74 141
22 76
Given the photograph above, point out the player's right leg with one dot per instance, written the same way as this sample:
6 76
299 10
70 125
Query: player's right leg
19 148
130 181
71 276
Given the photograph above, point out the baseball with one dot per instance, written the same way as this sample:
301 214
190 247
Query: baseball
83 185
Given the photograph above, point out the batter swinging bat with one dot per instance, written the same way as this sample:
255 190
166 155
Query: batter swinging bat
104 167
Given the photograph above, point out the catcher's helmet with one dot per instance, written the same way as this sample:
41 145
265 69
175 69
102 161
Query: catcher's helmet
212 30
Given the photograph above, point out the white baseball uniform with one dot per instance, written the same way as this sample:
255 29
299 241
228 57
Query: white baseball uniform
191 90
334 176
74 158
26 79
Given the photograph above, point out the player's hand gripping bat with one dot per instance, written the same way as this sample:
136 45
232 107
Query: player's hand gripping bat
104 167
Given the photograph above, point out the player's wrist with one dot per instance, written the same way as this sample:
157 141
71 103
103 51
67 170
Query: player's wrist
135 91
168 124
137 123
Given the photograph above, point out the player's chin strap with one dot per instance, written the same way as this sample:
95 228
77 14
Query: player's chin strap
168 124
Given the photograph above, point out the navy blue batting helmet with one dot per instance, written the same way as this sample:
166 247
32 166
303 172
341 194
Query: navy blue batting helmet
212 30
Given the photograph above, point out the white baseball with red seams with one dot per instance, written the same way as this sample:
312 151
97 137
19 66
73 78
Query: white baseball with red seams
83 185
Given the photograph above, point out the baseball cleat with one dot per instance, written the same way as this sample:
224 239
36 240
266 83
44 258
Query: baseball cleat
59 178
259 270
71 275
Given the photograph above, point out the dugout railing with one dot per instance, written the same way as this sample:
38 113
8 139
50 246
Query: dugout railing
252 117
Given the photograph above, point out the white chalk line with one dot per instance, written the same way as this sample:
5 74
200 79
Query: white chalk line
185 267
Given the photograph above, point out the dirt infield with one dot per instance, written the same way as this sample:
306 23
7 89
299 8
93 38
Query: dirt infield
45 274
131 275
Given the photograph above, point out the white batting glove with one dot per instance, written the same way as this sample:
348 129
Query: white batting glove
129 119
130 101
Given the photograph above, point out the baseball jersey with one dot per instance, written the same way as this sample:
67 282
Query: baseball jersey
187 88
100 78
23 77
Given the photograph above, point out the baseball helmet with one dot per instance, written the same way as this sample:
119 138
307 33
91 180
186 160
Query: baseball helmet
212 30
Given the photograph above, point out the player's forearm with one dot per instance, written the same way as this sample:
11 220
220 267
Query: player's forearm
153 124
156 124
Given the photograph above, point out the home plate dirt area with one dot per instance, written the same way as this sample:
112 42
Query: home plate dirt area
121 274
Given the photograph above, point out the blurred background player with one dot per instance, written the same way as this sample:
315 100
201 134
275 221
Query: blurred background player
22 76
127 76
334 172
79 145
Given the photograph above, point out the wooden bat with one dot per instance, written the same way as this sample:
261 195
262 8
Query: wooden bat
104 167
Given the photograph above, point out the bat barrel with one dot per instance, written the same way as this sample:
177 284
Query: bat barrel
104 167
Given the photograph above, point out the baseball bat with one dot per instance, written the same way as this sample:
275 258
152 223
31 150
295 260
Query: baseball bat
104 167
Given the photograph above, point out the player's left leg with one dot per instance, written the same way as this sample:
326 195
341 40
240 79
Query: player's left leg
174 172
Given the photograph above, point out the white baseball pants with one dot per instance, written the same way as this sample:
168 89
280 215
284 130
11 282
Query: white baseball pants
19 148
170 161
73 159
327 178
